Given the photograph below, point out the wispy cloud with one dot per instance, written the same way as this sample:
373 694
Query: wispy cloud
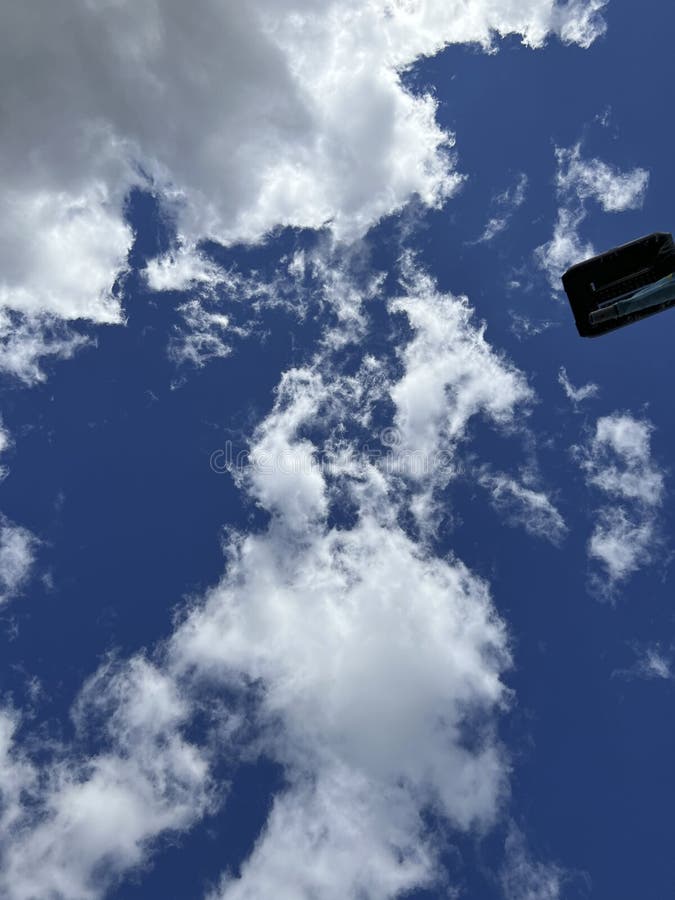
576 395
617 461
326 621
523 327
579 180
524 506
504 205
525 878
27 340
652 662
17 544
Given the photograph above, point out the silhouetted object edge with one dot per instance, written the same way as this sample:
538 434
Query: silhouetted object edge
623 285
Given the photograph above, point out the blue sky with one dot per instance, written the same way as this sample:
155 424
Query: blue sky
333 563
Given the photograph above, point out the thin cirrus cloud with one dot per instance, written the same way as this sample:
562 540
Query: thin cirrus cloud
504 204
234 115
524 506
576 395
652 662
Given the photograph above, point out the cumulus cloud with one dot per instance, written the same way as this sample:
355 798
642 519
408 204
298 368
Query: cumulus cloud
240 117
333 839
315 630
578 180
235 114
618 462
565 247
451 373
72 827
524 506
621 544
323 625
576 395
327 622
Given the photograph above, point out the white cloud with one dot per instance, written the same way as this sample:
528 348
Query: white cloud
337 837
323 624
617 461
77 248
203 336
576 395
5 443
523 327
26 341
565 248
621 544
451 373
578 180
531 509
318 628
17 776
241 117
79 825
17 544
181 270
329 624
652 663
17 556
5 440
524 878
614 190
285 478
655 664
237 112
